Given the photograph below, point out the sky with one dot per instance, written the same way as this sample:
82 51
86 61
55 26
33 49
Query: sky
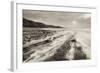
59 18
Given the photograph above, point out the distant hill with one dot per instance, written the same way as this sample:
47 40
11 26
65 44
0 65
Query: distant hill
29 23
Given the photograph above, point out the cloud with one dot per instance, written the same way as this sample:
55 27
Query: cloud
64 19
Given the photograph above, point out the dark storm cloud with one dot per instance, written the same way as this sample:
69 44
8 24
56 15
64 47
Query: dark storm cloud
65 19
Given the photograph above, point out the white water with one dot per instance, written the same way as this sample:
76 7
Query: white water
43 52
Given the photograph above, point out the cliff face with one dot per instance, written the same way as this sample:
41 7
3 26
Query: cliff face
29 23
